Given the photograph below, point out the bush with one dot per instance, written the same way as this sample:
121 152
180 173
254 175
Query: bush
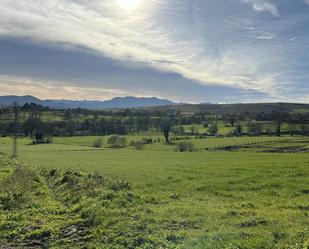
116 141
42 140
191 147
255 129
122 141
98 143
147 141
139 145
213 129
185 147
49 140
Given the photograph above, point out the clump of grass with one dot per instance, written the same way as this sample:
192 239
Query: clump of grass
253 223
17 188
174 196
120 185
12 200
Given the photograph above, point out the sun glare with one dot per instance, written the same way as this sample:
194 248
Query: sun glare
129 4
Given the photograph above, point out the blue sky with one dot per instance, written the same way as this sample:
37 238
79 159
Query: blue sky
184 50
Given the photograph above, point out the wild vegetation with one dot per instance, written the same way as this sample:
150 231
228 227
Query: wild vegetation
53 208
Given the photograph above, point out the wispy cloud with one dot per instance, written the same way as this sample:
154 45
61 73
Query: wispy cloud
25 86
211 42
264 6
266 36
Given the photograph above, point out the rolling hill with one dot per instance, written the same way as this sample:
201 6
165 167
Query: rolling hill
232 108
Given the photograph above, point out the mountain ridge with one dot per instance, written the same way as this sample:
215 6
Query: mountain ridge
117 102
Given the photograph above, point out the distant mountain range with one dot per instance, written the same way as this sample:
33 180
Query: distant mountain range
118 102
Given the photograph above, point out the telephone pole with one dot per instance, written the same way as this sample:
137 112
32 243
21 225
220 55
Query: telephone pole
15 145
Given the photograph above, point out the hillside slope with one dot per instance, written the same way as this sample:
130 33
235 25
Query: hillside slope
232 108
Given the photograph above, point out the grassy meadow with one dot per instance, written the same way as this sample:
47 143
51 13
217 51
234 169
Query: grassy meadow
253 196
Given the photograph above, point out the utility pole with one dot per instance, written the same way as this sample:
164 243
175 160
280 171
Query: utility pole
14 145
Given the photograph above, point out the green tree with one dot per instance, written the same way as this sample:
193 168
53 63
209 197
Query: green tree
213 129
166 128
255 129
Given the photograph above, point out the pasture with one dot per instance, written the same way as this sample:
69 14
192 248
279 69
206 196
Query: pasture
254 196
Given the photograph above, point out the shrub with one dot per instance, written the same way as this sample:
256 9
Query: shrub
116 141
185 147
190 147
255 129
147 141
139 145
122 141
49 140
98 143
182 147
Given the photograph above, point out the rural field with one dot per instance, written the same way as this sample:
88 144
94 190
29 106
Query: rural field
231 192
154 124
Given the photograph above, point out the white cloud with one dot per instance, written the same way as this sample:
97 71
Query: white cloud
174 36
263 6
11 85
307 1
266 36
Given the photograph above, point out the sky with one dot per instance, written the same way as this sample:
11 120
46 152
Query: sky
219 51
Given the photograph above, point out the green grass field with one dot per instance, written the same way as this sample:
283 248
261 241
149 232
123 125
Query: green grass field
200 144
245 198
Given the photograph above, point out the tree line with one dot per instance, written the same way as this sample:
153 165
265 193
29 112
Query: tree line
78 121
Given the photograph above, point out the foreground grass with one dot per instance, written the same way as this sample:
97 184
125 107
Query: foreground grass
65 209
243 199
